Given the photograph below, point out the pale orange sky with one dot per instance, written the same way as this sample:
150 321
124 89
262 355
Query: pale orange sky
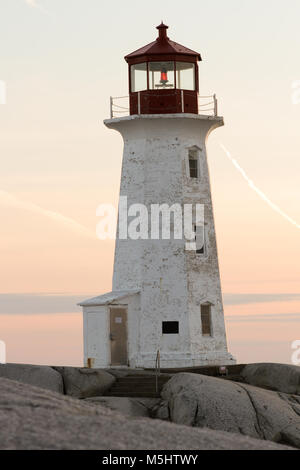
60 69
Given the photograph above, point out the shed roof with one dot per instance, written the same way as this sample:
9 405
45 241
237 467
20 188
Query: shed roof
106 299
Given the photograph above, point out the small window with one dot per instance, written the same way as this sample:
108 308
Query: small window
200 239
170 327
206 319
139 77
193 168
185 76
193 163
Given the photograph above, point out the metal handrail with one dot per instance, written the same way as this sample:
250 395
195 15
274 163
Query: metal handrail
157 369
121 107
116 109
203 105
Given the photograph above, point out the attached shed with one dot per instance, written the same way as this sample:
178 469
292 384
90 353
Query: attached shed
110 328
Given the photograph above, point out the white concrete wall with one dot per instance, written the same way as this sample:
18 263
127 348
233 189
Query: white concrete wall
96 335
173 281
96 330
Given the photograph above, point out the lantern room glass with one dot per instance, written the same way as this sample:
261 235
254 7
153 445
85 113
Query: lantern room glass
161 75
185 76
139 77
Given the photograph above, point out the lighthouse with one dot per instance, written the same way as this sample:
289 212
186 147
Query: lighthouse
166 298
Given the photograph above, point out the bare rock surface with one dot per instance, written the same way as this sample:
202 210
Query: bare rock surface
119 373
84 382
202 401
40 376
33 418
281 377
128 406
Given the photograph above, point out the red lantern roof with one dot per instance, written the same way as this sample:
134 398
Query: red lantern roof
163 46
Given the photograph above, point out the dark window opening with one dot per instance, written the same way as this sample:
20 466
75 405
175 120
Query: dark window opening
193 168
206 319
193 163
170 327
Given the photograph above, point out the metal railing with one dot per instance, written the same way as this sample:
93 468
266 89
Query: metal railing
157 369
116 109
207 105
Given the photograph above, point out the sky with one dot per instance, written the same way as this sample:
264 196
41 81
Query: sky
61 60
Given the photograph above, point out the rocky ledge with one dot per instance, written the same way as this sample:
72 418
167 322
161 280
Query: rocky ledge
68 408
35 418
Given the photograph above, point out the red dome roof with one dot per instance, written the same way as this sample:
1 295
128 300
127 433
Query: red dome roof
163 46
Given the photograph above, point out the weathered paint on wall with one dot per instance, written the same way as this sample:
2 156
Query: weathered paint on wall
96 331
173 282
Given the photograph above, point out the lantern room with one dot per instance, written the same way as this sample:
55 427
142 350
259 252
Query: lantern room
163 77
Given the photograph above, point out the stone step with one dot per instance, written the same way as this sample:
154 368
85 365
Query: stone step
142 387
234 369
144 377
133 383
138 381
138 386
137 390
132 386
136 394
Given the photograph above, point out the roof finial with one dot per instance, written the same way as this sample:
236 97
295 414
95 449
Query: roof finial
162 28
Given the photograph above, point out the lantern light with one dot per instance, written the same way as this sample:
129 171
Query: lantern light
164 77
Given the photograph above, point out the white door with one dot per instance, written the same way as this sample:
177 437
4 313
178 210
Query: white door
93 339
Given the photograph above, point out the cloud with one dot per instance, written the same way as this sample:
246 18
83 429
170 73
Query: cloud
10 200
39 304
277 317
258 191
35 4
32 3
246 299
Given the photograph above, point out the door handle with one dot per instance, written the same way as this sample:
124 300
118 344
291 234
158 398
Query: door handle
111 337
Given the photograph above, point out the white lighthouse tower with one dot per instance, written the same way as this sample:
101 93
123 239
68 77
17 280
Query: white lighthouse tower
166 297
